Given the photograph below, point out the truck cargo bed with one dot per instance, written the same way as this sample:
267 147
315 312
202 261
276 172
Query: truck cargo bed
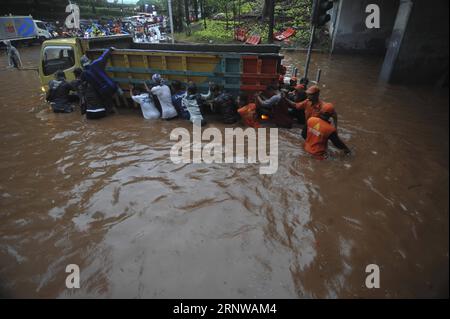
236 67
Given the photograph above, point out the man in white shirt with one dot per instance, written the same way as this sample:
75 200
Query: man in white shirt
145 100
162 92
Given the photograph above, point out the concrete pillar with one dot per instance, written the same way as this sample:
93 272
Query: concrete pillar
335 20
395 42
350 33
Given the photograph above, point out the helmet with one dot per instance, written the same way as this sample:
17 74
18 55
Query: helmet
156 78
60 75
313 89
327 108
84 61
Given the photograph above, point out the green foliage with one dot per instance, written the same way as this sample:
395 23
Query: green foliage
160 4
86 12
215 31
288 13
246 8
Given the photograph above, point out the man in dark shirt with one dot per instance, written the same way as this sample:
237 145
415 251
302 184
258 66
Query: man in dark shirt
77 85
297 96
94 73
58 93
91 103
275 106
225 104
94 106
177 97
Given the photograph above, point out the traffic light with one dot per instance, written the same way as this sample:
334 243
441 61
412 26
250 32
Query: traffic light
320 15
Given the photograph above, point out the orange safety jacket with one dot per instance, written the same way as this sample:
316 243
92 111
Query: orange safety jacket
309 108
248 114
317 138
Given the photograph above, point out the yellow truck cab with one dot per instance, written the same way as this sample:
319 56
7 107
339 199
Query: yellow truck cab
65 54
58 54
235 67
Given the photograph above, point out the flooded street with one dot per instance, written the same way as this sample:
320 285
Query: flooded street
106 196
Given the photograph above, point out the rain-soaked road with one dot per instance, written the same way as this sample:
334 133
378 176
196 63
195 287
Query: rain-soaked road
106 196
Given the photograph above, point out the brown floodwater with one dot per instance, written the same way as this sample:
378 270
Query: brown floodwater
105 195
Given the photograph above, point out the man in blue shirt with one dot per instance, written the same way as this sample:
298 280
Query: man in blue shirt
177 97
94 73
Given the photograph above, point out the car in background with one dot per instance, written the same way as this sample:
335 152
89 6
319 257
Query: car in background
219 16
42 31
51 27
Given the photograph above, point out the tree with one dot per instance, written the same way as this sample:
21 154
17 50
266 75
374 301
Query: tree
161 5
93 6
187 17
239 12
195 3
178 16
203 12
226 15
271 20
222 7
266 8
234 14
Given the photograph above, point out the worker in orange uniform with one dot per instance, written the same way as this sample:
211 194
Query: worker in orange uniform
247 111
312 106
320 131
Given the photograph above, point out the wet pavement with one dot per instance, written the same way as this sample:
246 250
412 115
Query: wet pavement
106 196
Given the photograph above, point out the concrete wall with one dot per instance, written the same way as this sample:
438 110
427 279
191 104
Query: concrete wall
423 54
349 31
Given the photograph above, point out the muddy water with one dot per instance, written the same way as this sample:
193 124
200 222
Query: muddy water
105 195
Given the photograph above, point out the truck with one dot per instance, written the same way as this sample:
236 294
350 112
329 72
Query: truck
236 67
43 32
18 28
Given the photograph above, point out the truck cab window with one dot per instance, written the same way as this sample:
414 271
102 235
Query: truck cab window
56 58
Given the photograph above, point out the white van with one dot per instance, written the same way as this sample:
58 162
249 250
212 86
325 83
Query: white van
43 33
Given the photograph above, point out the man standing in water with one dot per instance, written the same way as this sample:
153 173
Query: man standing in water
94 73
320 131
177 97
297 96
13 55
312 106
58 93
275 105
162 92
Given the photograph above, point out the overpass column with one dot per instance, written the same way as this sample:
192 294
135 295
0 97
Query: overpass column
395 42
